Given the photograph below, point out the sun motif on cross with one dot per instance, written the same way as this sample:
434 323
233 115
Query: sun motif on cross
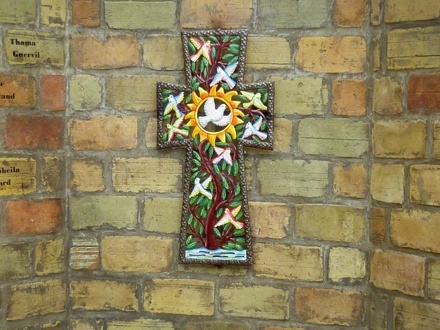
213 114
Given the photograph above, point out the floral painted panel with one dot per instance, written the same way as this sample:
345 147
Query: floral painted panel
214 117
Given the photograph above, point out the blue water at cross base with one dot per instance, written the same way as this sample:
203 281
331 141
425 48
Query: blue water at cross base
219 254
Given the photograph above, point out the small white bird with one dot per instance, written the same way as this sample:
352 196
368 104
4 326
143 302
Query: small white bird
203 49
175 128
172 105
254 99
200 188
254 129
214 115
225 75
224 154
229 217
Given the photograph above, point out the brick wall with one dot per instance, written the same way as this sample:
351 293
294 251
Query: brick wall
345 214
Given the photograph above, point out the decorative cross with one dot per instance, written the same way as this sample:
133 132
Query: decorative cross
214 117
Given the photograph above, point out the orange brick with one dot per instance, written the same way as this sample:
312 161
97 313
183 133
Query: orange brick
322 306
349 97
26 132
85 12
34 217
424 93
349 13
350 180
17 90
53 92
377 227
88 52
103 132
398 271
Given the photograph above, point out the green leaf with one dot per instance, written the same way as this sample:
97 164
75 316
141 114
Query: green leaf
191 245
235 204
219 212
225 86
213 52
238 247
235 168
224 194
188 239
237 189
203 213
188 98
223 165
196 155
224 182
203 64
213 38
201 230
263 126
191 48
216 169
234 49
240 240
228 138
191 220
241 98
164 137
225 38
217 232
228 57
235 39
239 215
196 162
192 200
193 66
239 232
264 97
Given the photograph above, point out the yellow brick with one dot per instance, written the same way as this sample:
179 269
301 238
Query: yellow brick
77 324
17 257
52 174
408 10
350 180
151 133
387 183
163 52
416 229
261 302
20 176
163 215
434 279
391 270
140 324
379 311
215 271
269 220
282 135
290 262
410 314
330 222
219 325
103 295
377 44
53 12
85 92
86 175
84 253
346 264
331 54
32 299
17 90
425 184
387 98
180 296
147 174
349 97
267 53
414 48
375 12
43 48
136 254
49 257
140 15
350 13
17 11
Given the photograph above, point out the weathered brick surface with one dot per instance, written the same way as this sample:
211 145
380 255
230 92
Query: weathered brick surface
329 222
163 52
18 176
88 52
413 48
33 217
212 14
387 97
379 309
85 92
407 10
53 12
346 264
387 183
179 296
416 229
84 253
410 314
265 52
115 211
293 178
32 299
30 132
49 257
140 324
136 254
434 279
103 132
140 15
349 13
283 135
53 92
324 306
350 180
331 54
262 302
17 90
158 218
425 184
339 137
225 325
52 174
424 93
349 97
86 175
399 138
15 260
398 271
377 226
95 295
269 220
17 11
78 324
86 13
288 262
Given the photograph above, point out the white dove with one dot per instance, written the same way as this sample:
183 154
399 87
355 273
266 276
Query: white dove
214 115
229 217
224 154
172 105
224 75
200 188
254 129
254 99
175 129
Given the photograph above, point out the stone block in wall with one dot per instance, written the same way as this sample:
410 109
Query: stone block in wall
269 220
116 52
52 174
93 211
84 253
377 226
293 177
219 325
424 185
327 306
202 14
413 48
102 295
266 52
403 272
329 222
84 92
53 12
18 176
434 279
140 324
282 135
288 262
379 311
387 183
49 257
424 93
131 15
350 180
349 97
136 254
345 54
260 302
86 13
86 175
410 314
147 174
338 137
15 260
387 96
408 10
163 52
179 296
53 92
283 14
346 264
160 219
18 11
416 229
17 90
349 13
35 299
